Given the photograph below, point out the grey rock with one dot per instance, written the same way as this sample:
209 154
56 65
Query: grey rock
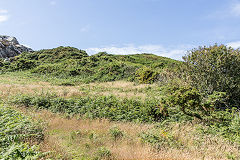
10 47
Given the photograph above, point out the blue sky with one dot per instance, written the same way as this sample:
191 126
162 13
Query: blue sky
163 27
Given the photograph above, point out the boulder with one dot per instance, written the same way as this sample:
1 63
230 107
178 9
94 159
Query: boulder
10 47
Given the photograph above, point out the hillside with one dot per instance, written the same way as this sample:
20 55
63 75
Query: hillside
65 62
120 106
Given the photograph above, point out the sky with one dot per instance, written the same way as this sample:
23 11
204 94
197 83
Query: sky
167 28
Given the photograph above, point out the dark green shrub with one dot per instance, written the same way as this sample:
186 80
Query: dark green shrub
69 62
146 75
23 64
59 54
46 69
188 100
215 68
114 71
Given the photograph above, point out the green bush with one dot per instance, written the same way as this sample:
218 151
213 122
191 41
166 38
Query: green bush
114 71
69 62
23 64
22 151
227 125
1 62
146 75
48 69
188 99
215 69
97 107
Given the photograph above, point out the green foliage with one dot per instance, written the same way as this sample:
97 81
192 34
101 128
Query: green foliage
183 100
15 129
114 71
146 75
116 133
188 99
68 62
227 125
55 55
1 62
97 107
103 153
23 64
22 151
160 139
215 68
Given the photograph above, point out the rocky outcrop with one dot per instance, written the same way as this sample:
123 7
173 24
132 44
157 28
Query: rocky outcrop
9 47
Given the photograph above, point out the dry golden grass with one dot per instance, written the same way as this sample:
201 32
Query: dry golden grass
120 85
119 88
62 133
13 89
59 132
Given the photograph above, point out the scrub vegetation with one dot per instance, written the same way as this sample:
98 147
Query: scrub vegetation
123 106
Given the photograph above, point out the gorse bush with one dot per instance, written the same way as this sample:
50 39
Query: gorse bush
146 75
187 98
189 101
55 55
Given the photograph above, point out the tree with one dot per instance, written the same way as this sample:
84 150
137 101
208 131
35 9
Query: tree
215 69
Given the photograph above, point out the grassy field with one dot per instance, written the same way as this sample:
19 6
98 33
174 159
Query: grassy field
107 106
13 83
75 136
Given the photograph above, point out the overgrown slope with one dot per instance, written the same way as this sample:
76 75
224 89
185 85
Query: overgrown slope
65 62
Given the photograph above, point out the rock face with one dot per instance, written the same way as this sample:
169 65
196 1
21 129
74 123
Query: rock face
9 47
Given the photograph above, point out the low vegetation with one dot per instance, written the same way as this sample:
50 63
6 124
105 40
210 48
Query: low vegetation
129 106
17 133
68 62
98 107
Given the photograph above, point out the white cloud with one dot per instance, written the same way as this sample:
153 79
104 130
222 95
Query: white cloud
175 53
234 45
3 15
53 3
3 18
3 11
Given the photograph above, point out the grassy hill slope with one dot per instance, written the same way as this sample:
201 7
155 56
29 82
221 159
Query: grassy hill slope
119 119
65 62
